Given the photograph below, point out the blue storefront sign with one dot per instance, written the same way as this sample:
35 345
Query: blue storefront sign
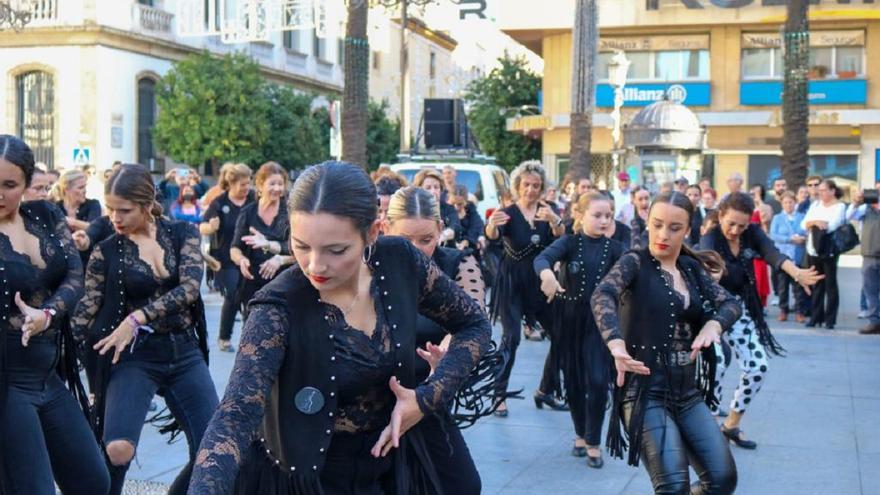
642 95
841 91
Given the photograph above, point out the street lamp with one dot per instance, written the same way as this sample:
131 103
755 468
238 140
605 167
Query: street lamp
618 66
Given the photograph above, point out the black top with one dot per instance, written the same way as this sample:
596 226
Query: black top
58 285
519 236
99 229
471 226
449 215
227 211
89 211
622 234
585 261
278 231
638 232
288 328
754 243
165 301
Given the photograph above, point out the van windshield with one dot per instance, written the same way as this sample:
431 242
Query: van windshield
468 178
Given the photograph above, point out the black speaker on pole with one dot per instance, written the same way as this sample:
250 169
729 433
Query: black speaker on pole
445 125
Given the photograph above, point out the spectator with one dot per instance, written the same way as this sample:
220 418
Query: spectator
775 202
693 194
584 186
168 190
666 188
812 193
680 185
217 189
472 225
710 221
386 186
734 183
54 176
551 195
70 195
869 215
708 199
705 183
39 186
639 198
621 194
431 180
765 212
449 175
786 232
186 208
825 216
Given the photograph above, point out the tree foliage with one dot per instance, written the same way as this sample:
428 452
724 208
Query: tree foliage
383 135
294 138
212 108
494 98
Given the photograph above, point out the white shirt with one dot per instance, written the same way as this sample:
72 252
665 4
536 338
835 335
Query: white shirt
834 215
621 198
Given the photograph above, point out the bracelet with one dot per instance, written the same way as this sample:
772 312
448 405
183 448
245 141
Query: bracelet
48 314
134 321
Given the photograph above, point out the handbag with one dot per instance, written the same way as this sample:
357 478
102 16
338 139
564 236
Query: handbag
844 238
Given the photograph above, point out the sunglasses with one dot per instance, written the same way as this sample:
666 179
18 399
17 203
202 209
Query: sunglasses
815 184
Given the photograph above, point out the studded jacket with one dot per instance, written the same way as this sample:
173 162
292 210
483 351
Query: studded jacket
307 375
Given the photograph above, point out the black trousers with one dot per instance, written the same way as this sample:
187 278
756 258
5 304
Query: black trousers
227 280
588 396
825 298
786 286
679 431
451 457
511 335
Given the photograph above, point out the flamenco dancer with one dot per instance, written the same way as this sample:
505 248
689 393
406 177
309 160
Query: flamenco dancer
586 257
525 228
327 358
739 242
659 311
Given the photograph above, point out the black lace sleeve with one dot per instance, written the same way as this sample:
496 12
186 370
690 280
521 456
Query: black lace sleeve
232 428
70 290
190 269
88 307
635 227
607 294
727 309
449 306
558 251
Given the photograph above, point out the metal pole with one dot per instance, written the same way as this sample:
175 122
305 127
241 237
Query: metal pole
404 80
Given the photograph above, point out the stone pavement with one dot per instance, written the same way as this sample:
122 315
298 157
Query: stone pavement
816 422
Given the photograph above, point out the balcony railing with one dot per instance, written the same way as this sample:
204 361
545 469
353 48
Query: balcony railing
152 20
43 12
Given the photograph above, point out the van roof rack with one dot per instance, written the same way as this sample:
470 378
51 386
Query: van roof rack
448 155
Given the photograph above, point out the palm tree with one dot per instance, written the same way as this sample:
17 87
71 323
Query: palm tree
795 102
356 93
585 41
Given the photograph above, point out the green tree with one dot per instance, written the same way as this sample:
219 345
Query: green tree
212 109
383 136
295 138
496 97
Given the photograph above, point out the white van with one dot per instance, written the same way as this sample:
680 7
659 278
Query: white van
484 181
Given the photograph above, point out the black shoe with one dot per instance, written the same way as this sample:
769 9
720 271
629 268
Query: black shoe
810 324
595 462
541 399
733 434
872 329
829 326
500 413
579 451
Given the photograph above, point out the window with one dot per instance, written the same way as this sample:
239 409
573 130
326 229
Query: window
319 49
432 66
291 40
849 61
377 60
146 119
759 62
667 65
212 11
35 114
148 3
820 62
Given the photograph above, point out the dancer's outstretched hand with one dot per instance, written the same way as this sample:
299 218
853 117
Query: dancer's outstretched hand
709 335
549 285
405 415
433 353
624 362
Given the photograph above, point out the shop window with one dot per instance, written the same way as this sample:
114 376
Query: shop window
821 62
319 49
662 66
639 66
35 114
849 61
759 62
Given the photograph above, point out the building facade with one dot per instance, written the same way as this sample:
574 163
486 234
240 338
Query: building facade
80 80
723 59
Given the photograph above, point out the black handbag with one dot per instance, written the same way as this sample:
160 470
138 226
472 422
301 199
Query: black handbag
844 238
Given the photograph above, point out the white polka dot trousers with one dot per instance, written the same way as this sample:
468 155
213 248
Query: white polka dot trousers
752 359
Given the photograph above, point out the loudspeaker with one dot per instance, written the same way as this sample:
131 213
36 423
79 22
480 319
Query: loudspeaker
445 125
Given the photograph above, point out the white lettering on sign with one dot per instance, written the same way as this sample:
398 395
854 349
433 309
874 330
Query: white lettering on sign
676 93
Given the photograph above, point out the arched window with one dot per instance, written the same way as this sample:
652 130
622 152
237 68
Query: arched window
35 114
146 119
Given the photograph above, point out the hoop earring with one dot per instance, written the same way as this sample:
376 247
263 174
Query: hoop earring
368 253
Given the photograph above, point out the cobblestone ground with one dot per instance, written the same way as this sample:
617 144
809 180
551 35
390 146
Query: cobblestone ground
815 421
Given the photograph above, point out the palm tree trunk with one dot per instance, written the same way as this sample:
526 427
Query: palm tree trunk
356 92
585 41
795 102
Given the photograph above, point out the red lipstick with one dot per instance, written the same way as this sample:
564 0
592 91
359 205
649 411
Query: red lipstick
319 280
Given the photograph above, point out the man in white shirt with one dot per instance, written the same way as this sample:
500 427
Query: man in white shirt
621 194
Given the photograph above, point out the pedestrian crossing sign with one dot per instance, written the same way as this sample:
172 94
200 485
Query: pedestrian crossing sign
82 156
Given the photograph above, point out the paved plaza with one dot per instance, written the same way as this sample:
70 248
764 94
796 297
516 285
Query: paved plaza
816 422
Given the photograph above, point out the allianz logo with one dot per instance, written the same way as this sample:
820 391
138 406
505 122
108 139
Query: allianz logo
676 93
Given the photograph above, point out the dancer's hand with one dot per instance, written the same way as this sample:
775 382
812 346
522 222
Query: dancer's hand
624 362
34 320
709 335
549 285
244 265
498 218
256 240
81 240
405 415
807 277
119 339
433 353
270 267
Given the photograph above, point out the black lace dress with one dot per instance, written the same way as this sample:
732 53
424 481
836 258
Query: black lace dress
367 362
278 231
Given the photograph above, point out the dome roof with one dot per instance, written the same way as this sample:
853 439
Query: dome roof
665 124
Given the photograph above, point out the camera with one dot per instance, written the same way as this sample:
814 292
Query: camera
871 196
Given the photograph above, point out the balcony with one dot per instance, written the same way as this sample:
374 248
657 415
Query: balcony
43 13
151 20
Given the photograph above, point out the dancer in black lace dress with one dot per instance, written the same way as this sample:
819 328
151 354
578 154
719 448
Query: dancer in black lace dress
414 214
261 243
326 360
44 433
525 228
586 257
658 311
142 312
